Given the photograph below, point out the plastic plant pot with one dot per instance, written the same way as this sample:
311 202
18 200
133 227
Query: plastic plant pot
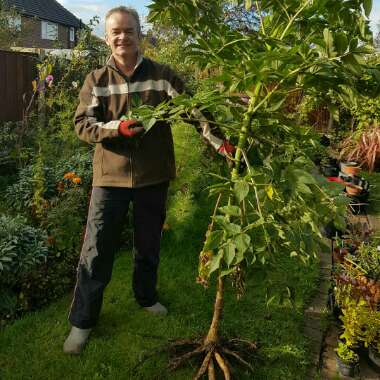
374 357
349 369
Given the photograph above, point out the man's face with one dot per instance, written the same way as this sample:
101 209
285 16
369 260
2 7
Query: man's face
121 35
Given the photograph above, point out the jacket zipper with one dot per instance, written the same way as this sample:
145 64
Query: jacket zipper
129 109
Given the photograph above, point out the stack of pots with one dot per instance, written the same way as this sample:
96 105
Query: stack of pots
356 187
350 171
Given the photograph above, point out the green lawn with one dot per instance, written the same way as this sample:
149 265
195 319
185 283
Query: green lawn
374 193
31 348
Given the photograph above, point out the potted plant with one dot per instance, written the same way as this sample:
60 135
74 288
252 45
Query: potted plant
350 168
374 353
329 167
353 190
347 360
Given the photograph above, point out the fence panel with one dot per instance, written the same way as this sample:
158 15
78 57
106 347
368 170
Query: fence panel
17 71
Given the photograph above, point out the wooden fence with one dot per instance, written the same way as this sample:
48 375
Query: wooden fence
17 71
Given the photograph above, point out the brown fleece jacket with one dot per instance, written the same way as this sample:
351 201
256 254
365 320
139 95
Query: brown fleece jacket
107 95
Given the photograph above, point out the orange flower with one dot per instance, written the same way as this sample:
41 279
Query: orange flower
69 175
76 180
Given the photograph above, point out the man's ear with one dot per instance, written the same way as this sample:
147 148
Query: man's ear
106 39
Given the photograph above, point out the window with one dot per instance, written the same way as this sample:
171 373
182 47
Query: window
49 30
15 23
72 34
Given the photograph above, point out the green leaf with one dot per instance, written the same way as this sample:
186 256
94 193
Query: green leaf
226 272
269 191
213 240
341 42
328 38
304 177
352 64
241 190
229 253
215 262
302 188
276 105
248 4
230 228
256 224
230 210
149 124
242 243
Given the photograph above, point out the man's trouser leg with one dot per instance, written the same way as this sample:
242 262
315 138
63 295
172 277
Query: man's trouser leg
108 207
149 211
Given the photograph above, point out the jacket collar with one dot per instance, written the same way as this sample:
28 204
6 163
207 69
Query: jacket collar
111 63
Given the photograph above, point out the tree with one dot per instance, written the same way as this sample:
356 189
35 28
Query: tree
274 206
10 32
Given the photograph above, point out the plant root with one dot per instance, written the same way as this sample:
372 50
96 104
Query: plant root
211 370
223 365
204 366
243 342
238 358
178 362
214 354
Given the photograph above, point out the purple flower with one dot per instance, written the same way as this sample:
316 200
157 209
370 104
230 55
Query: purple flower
49 78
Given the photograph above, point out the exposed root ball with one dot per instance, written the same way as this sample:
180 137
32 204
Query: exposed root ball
214 356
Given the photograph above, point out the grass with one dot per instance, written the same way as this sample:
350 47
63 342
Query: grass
31 348
374 194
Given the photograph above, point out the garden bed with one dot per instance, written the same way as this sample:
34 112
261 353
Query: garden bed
32 346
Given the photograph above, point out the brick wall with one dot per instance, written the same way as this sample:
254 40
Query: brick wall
31 36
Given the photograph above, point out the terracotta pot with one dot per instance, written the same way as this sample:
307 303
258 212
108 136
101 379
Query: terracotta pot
350 168
353 190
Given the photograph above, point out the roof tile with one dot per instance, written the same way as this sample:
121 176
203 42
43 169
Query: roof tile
49 10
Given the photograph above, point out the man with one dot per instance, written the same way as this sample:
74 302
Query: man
124 171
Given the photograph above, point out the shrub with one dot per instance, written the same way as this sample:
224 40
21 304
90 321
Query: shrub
19 195
80 163
65 220
363 146
22 247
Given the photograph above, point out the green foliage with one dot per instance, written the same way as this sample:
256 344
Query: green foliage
52 185
66 219
9 33
313 47
80 162
19 195
346 354
363 146
22 247
366 113
367 260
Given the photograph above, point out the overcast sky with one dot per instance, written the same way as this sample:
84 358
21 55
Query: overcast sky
86 9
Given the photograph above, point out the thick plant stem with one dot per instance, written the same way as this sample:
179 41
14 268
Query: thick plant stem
244 132
213 335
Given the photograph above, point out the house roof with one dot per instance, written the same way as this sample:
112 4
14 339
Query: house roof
49 10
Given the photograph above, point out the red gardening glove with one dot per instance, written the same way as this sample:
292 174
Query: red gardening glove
130 128
226 149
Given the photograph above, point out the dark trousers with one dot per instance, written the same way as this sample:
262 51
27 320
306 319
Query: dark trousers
107 210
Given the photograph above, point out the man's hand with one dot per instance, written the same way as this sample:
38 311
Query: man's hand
130 128
226 149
